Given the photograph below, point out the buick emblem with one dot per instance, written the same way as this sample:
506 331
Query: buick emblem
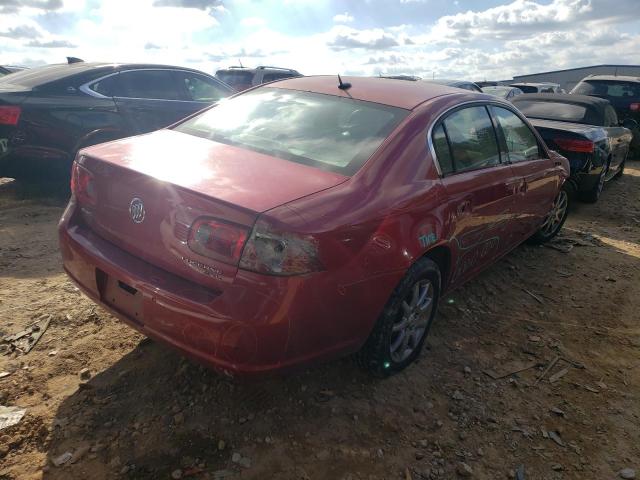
136 210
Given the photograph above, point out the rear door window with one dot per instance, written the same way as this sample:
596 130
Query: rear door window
443 152
108 86
472 139
520 142
150 84
200 88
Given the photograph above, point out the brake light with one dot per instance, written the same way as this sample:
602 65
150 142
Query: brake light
9 115
575 145
214 238
279 253
634 107
82 185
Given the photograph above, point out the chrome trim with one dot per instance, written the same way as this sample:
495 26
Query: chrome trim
497 103
86 87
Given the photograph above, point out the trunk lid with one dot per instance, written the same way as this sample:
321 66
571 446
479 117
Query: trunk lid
180 178
550 130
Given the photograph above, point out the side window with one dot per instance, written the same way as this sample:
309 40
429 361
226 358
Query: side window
270 77
108 86
151 84
472 139
520 141
441 146
200 88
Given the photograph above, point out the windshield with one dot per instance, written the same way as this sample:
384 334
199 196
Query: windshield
501 92
235 78
565 112
608 88
333 133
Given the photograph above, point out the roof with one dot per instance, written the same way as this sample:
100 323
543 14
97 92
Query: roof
546 84
613 78
37 76
447 81
387 91
593 103
578 68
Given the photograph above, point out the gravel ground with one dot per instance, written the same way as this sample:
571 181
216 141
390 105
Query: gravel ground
103 402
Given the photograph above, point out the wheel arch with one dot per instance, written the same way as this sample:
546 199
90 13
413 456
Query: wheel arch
441 255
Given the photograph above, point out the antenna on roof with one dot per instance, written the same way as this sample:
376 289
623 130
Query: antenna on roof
240 62
71 60
343 85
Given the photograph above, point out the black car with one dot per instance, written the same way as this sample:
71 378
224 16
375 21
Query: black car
584 129
48 113
624 94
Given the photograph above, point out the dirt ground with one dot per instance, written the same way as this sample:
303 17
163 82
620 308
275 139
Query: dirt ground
147 413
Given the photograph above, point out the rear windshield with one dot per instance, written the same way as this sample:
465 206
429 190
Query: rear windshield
565 112
35 77
332 133
234 79
527 88
608 88
501 92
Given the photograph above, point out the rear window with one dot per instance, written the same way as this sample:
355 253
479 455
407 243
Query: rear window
235 79
527 88
608 88
324 131
564 112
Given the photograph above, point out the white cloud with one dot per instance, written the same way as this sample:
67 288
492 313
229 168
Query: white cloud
343 18
253 21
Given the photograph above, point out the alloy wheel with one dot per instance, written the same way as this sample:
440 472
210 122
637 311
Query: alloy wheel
416 310
556 215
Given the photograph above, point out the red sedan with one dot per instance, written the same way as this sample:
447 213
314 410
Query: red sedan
306 219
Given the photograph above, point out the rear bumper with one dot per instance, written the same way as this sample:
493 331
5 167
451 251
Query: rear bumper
257 324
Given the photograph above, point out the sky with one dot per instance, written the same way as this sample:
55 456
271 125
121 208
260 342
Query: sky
463 39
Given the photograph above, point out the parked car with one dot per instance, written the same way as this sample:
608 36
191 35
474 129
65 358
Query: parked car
502 92
412 78
274 243
48 113
465 85
624 94
586 131
540 87
242 78
7 69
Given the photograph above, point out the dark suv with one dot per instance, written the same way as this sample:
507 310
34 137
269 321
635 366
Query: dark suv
48 113
241 78
624 94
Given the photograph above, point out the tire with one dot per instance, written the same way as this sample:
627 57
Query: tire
399 333
555 218
592 196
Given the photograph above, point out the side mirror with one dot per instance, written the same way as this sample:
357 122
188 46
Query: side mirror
630 123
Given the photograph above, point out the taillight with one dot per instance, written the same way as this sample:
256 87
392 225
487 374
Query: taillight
82 185
214 238
279 253
575 145
9 115
634 107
